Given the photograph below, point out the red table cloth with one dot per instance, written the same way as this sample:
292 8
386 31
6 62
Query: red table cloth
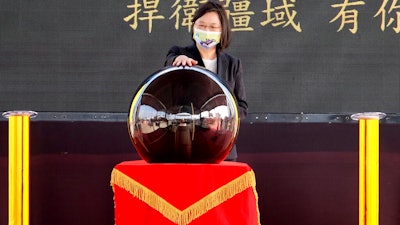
169 193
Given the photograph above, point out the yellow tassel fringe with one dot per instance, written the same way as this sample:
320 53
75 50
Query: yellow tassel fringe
184 217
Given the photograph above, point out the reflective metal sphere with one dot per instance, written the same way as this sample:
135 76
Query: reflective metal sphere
183 114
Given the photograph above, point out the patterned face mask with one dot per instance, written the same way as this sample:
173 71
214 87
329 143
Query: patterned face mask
206 39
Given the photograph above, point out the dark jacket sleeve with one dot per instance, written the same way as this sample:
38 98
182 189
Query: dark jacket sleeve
171 55
231 71
190 51
240 92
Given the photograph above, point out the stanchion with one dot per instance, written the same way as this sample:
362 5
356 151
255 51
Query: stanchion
368 167
18 166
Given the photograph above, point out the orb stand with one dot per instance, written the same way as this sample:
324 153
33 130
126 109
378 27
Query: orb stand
18 166
183 122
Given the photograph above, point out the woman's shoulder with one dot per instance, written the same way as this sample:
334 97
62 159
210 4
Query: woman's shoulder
228 56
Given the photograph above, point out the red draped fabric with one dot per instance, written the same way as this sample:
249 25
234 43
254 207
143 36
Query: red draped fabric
168 193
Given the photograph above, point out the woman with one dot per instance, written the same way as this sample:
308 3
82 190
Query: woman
212 35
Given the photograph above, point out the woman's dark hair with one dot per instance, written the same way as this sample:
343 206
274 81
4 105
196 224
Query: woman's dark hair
214 6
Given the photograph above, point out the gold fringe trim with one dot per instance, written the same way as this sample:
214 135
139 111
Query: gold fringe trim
184 217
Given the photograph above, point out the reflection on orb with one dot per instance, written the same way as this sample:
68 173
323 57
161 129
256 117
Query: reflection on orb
183 114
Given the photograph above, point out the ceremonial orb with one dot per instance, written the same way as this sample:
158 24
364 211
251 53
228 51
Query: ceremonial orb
183 114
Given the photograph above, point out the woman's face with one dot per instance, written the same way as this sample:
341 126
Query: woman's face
209 22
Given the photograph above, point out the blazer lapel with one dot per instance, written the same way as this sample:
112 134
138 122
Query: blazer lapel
221 64
196 55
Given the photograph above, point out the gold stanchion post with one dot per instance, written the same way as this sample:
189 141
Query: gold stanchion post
18 166
368 166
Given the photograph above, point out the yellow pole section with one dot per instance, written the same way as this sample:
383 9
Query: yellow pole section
368 167
372 171
13 188
361 173
25 169
18 166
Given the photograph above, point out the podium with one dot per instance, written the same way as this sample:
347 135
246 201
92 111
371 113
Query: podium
183 194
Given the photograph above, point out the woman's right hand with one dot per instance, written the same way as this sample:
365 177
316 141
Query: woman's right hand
183 60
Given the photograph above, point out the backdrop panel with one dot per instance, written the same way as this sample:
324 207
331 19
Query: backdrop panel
298 56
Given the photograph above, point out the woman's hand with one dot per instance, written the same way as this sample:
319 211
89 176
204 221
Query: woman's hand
183 60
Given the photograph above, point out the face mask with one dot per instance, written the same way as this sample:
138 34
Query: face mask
206 39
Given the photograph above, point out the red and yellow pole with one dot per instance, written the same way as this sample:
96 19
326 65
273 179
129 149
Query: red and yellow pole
368 167
18 166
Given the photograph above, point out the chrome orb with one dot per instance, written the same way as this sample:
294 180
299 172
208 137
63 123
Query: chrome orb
183 114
